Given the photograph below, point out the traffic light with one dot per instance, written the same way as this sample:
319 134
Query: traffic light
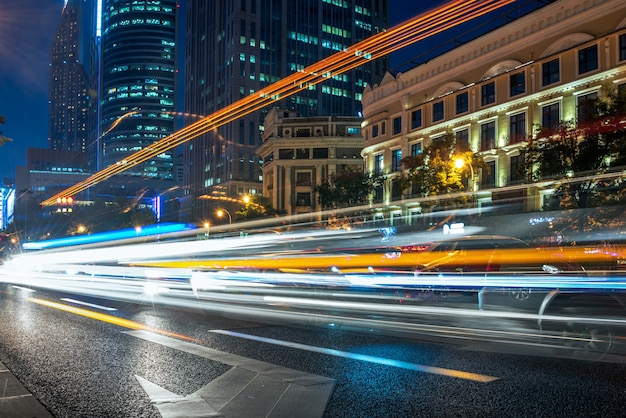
65 201
64 204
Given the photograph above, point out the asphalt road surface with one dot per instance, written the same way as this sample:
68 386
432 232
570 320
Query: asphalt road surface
95 358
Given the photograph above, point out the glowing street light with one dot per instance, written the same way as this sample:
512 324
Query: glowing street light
220 213
460 162
206 225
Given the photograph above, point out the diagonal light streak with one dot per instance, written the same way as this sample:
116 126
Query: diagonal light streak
399 36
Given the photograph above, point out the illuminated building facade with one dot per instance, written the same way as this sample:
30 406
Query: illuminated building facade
493 92
236 48
300 153
7 205
69 77
137 82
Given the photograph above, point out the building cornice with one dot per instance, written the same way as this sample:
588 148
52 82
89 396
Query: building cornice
502 43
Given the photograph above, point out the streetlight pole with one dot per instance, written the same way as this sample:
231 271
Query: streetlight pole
206 225
221 212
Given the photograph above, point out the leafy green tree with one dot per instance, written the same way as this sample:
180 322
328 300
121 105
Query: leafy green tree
435 171
350 188
576 153
258 206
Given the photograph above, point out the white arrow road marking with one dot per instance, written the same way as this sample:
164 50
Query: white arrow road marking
171 405
251 388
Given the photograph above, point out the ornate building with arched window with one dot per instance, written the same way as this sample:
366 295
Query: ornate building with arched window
493 93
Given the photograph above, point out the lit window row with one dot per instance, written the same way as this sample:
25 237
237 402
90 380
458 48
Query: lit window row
339 3
333 30
303 37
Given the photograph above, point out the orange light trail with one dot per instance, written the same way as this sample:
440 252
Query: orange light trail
397 37
403 260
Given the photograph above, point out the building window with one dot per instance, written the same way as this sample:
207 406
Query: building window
588 59
488 175
438 111
379 167
622 47
517 169
397 125
462 103
488 136
517 128
550 72
375 131
320 152
303 199
302 154
396 158
303 178
378 194
286 154
550 116
587 107
383 128
462 140
416 149
396 190
488 93
517 84
416 119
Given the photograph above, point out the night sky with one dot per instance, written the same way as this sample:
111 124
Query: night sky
27 28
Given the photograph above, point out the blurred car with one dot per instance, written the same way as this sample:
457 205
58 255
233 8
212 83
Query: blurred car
488 254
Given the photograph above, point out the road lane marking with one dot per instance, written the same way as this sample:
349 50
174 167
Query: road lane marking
276 391
364 357
91 305
122 322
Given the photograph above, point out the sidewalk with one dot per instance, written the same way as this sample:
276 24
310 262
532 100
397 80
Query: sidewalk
16 401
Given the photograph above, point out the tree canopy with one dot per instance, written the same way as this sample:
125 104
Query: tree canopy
576 152
350 188
436 171
258 206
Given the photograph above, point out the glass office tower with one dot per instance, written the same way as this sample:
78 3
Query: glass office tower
137 82
69 77
237 47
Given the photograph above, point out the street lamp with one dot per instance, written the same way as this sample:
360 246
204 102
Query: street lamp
221 212
460 162
206 225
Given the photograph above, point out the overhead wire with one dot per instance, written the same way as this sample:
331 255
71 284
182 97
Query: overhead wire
413 30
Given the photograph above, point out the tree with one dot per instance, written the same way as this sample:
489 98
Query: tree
350 188
591 147
257 206
434 172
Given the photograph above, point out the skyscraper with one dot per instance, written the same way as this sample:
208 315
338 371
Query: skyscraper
69 82
236 48
137 82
